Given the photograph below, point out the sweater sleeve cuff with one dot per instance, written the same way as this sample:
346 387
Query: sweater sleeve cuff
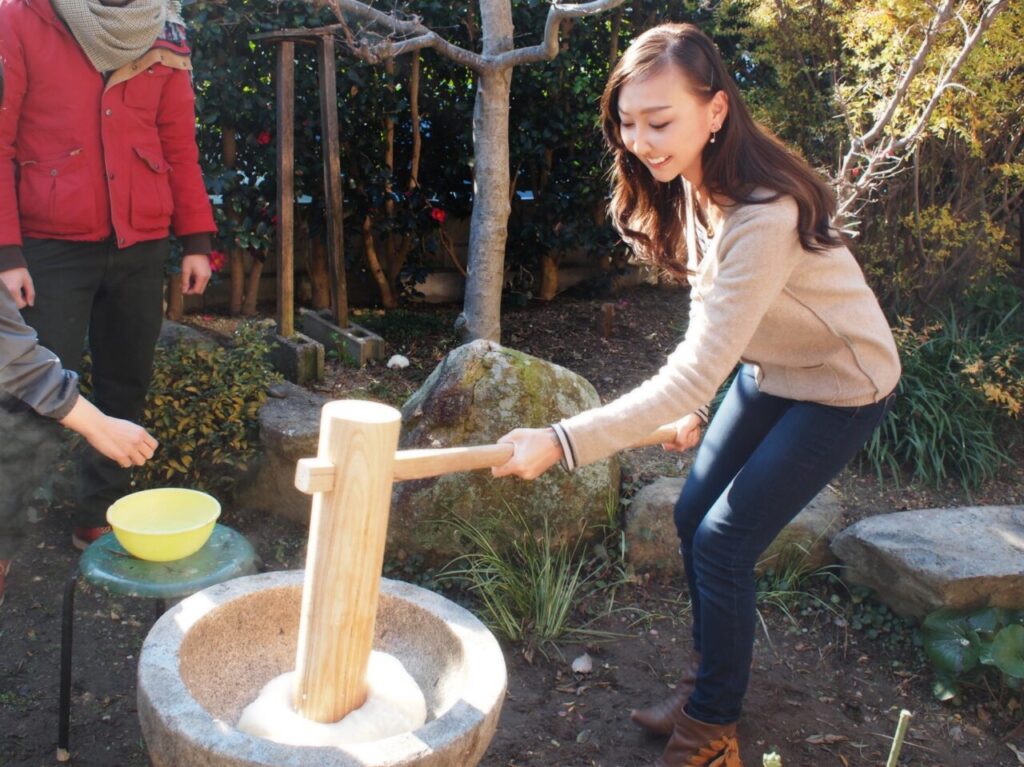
198 244
568 455
11 257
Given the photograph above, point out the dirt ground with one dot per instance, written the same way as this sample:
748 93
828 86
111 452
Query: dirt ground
822 692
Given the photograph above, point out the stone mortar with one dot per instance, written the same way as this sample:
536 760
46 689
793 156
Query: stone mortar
208 657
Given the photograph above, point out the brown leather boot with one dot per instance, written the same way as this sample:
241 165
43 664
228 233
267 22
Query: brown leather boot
658 718
699 744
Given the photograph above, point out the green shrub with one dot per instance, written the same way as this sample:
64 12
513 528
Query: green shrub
202 407
966 645
962 387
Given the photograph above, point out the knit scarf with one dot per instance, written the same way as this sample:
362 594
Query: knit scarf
113 36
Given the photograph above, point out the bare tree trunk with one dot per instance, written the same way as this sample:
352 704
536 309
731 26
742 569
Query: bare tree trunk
613 44
548 276
488 229
414 117
175 300
252 288
387 296
236 261
319 274
391 243
237 280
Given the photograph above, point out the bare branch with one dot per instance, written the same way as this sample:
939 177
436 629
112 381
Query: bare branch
884 160
419 36
984 23
548 48
916 64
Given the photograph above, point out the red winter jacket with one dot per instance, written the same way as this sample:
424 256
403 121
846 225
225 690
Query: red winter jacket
81 159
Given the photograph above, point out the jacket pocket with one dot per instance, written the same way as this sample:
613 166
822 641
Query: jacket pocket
54 195
150 202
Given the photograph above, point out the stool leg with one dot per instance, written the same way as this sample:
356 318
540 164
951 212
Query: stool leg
66 635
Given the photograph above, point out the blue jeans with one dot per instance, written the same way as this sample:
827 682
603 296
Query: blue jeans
762 460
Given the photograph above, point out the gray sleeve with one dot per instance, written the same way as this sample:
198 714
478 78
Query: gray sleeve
28 372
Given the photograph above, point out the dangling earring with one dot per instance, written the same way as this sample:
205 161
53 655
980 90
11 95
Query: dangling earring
713 134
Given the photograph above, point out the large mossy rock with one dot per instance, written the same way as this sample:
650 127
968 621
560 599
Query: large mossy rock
480 392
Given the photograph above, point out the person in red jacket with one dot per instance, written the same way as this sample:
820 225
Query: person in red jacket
32 376
98 166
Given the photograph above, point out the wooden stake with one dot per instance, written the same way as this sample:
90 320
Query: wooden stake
897 741
345 556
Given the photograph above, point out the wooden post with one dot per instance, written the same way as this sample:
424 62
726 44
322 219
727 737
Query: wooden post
285 88
330 147
345 556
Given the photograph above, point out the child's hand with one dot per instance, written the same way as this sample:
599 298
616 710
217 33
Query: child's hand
124 442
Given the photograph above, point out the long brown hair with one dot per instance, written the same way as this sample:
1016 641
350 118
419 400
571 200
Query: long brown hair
745 157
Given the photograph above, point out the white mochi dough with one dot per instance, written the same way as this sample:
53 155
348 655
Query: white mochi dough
394 705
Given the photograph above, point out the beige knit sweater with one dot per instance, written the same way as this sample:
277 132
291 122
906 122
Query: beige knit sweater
807 321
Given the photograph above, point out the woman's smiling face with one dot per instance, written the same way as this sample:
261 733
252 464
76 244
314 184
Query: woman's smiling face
666 125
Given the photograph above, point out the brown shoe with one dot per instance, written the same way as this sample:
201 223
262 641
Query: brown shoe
5 567
699 744
658 718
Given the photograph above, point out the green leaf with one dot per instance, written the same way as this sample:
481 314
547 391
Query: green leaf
1008 651
948 642
990 619
944 687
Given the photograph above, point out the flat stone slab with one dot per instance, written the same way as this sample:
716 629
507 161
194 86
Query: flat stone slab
653 545
919 561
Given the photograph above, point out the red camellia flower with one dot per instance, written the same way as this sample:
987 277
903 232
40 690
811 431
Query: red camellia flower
217 260
438 215
263 138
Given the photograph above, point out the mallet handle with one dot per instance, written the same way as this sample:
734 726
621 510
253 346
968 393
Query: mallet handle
315 475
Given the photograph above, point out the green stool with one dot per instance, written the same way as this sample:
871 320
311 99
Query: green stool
106 565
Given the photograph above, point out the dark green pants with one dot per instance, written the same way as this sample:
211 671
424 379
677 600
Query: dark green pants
108 300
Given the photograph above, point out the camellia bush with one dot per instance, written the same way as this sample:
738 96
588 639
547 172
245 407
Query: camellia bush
202 407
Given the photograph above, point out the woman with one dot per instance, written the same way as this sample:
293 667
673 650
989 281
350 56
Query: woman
700 190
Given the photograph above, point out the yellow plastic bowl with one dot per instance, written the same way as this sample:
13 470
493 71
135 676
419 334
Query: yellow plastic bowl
163 524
